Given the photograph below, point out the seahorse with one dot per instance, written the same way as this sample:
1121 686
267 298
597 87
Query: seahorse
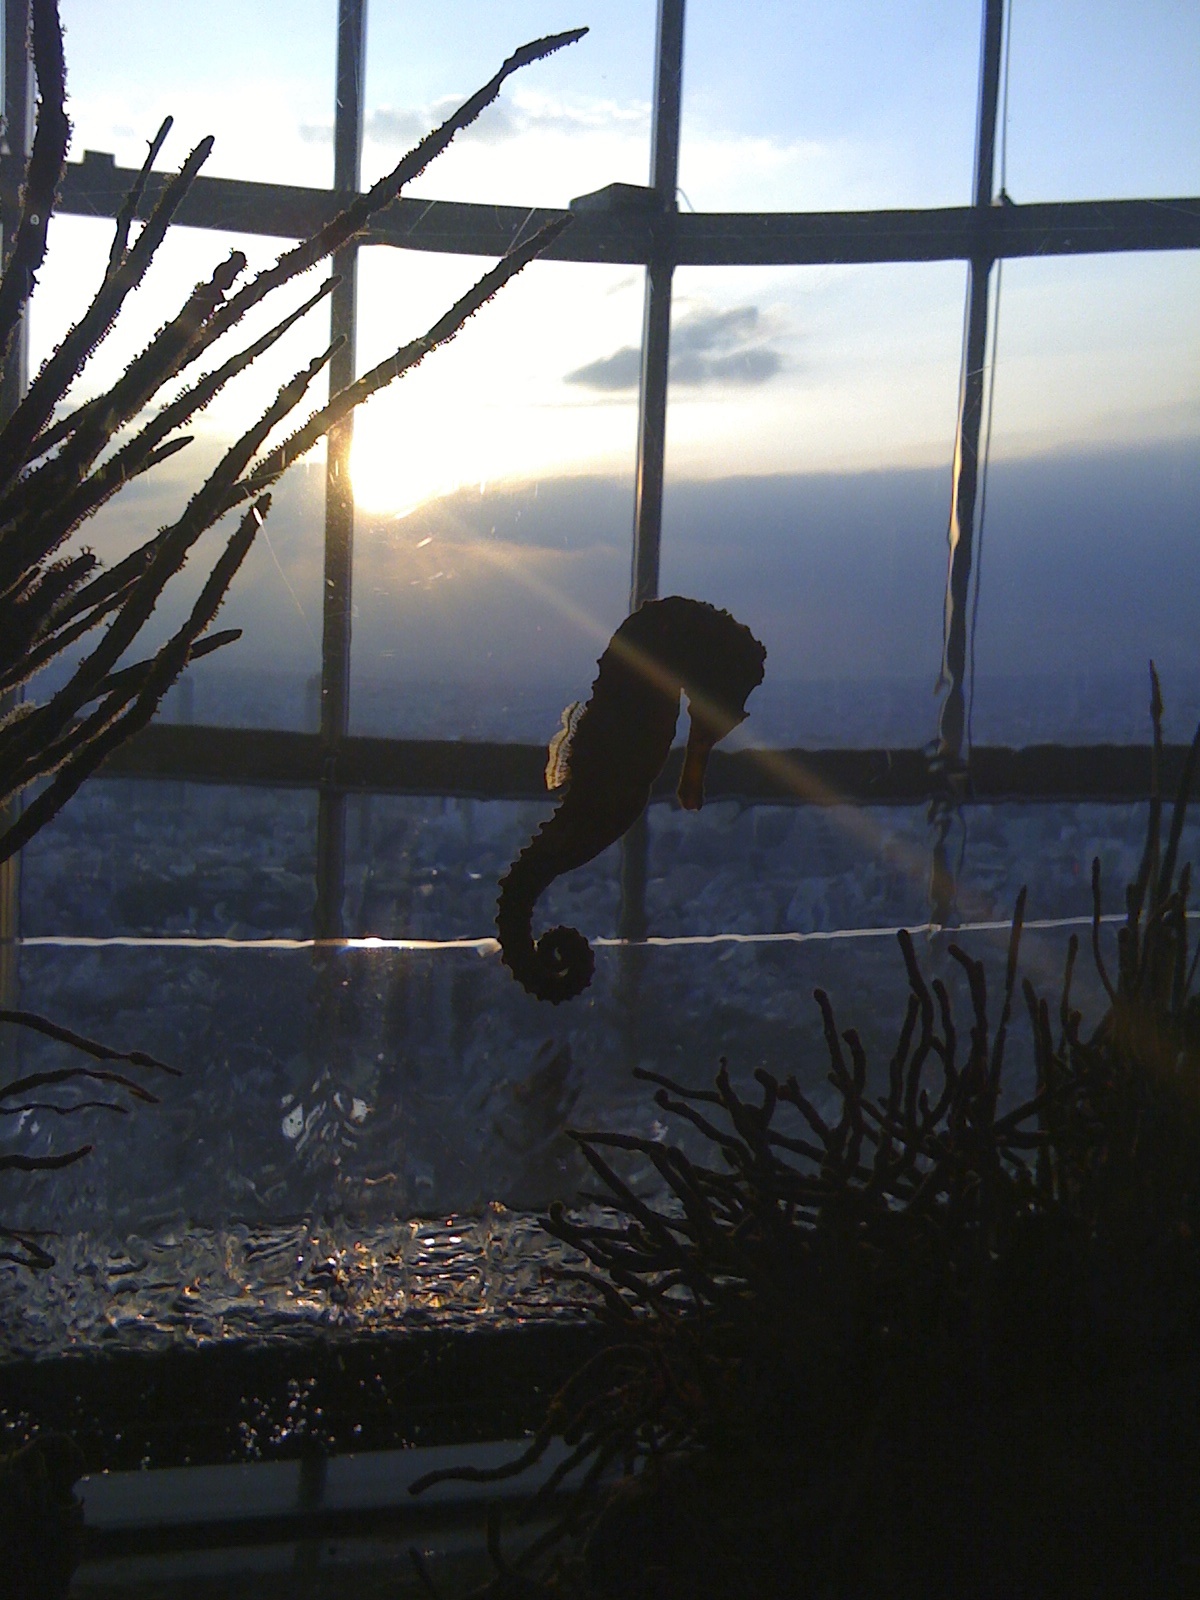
608 754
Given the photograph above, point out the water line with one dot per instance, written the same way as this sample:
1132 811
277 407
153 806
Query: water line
487 946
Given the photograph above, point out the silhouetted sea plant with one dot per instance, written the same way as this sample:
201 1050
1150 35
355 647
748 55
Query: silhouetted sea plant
856 1355
60 464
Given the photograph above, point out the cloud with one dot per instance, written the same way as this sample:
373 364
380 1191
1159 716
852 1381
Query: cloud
707 346
722 347
404 127
502 121
389 126
621 370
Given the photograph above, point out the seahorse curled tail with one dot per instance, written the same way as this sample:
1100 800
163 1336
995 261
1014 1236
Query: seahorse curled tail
561 963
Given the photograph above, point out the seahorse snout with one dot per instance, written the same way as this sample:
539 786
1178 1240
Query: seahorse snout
691 779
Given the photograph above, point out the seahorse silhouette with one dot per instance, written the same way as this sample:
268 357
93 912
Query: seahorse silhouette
610 751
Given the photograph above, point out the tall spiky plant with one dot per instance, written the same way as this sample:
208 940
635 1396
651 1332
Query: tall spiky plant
54 475
58 468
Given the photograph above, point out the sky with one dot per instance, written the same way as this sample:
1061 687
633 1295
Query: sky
860 104
780 372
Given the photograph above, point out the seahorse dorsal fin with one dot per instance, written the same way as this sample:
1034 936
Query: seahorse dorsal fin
558 752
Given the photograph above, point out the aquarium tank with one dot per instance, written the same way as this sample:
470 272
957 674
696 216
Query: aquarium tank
871 326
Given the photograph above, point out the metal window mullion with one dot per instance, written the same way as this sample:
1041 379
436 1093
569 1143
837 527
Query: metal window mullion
970 413
339 494
656 318
652 390
948 761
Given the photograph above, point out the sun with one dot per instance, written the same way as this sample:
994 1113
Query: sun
398 464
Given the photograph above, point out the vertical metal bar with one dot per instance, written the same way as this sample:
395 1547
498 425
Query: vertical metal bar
18 118
970 415
948 762
652 390
962 512
656 318
339 493
991 50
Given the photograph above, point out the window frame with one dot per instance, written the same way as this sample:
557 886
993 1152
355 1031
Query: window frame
640 227
646 228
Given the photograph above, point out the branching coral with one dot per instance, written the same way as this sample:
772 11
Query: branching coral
816 1305
14 1101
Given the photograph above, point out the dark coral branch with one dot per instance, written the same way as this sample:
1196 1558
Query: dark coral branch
146 450
33 505
403 360
34 1258
77 1041
18 1162
63 367
343 227
168 555
165 668
131 202
42 178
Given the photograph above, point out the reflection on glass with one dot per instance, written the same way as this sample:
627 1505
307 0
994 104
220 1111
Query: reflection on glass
494 499
364 1085
1102 101
827 870
387 1082
1088 561
808 446
266 678
420 868
867 103
167 859
265 91
570 124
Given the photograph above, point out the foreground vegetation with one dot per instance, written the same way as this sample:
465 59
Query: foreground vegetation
943 1344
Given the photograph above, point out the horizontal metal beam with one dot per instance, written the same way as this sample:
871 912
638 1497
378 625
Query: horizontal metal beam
254 756
613 227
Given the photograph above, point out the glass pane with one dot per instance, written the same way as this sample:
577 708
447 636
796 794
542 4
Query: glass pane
388 1083
1102 100
1089 562
495 499
268 677
808 442
823 871
419 868
130 858
863 104
561 127
264 91
384 1083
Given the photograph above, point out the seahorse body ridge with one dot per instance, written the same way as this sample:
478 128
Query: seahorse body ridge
608 754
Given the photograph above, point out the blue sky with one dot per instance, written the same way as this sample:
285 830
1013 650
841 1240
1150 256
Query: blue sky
776 371
1102 101
863 103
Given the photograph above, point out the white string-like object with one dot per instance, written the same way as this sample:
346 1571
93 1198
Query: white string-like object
486 946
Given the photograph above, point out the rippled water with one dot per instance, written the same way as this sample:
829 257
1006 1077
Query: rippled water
195 1286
